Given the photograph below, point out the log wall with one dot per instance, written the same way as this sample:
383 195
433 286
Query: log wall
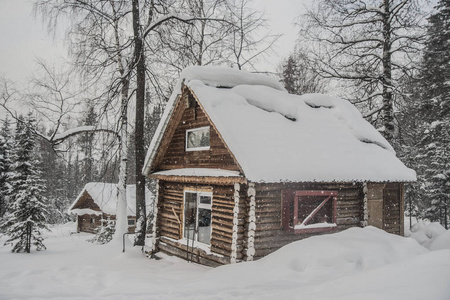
85 223
170 219
270 236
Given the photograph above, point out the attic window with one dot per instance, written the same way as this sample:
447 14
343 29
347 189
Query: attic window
197 139
309 211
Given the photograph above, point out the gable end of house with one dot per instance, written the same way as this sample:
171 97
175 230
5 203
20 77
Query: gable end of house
173 151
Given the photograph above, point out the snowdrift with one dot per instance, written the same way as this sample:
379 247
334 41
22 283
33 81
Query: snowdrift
322 258
359 263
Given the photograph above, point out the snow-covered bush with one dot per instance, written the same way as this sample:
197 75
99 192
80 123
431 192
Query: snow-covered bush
432 236
105 232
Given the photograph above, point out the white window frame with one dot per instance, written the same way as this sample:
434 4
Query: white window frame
199 206
198 148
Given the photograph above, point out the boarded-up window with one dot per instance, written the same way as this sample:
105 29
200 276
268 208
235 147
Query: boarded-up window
309 211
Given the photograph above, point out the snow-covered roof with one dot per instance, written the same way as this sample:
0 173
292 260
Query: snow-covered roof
199 172
279 137
105 196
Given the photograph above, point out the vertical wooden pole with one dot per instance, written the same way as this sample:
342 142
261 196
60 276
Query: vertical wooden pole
401 199
155 218
365 212
237 190
296 200
251 193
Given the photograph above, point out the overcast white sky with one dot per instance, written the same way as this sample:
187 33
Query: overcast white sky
23 38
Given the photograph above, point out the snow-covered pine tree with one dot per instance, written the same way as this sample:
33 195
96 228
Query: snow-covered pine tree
26 216
299 76
5 164
435 111
105 232
86 144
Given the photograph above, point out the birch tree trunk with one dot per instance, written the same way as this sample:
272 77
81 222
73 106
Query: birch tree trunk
121 214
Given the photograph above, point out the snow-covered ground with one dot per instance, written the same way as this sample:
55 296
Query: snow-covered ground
355 264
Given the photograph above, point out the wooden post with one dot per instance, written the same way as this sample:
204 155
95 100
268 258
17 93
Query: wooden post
402 208
237 189
364 221
155 217
251 192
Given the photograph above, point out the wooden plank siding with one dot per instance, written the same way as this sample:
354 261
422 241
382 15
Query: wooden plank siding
170 214
173 155
393 208
270 235
88 223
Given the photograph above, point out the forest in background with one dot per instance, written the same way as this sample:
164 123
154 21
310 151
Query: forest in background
391 58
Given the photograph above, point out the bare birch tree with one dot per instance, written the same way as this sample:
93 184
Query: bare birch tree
122 41
369 43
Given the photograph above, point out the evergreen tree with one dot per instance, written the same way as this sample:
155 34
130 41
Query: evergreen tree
105 232
5 164
290 70
27 212
433 159
86 142
53 174
299 76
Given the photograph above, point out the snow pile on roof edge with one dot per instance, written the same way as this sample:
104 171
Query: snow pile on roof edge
222 77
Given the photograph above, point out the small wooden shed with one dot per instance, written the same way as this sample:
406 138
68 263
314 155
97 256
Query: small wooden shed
244 168
97 203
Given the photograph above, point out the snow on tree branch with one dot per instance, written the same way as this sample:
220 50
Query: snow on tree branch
60 137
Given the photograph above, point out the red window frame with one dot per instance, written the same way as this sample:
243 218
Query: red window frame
292 204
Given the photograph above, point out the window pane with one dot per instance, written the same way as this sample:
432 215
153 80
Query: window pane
190 210
204 226
308 204
205 199
198 138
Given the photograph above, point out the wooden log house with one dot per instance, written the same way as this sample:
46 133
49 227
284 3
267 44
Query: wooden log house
244 168
97 203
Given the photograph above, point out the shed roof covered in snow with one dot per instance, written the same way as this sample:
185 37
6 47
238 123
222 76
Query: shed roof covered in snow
104 195
279 137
